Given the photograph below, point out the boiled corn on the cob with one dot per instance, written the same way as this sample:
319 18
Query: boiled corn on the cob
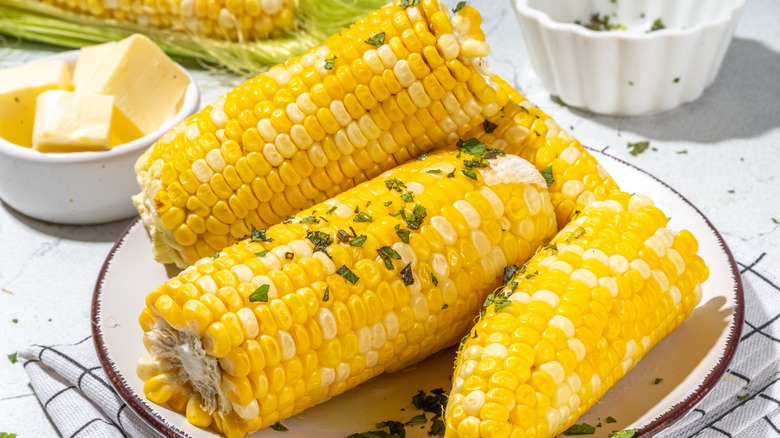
574 320
395 84
373 280
224 19
575 177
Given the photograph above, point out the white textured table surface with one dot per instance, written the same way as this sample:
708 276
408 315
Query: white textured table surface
730 172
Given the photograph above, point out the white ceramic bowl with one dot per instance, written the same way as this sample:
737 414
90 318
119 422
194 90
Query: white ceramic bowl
630 71
80 187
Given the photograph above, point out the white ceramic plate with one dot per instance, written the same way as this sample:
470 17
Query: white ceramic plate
689 361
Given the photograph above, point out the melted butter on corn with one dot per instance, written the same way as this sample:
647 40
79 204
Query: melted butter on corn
303 132
574 320
237 363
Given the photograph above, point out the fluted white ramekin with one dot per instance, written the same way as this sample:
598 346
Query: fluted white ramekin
629 71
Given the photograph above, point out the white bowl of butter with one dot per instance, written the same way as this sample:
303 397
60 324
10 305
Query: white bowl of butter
76 173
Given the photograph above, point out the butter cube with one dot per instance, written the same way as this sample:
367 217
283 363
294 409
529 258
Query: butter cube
19 89
72 122
147 85
89 62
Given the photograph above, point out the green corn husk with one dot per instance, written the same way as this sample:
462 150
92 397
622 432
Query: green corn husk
316 20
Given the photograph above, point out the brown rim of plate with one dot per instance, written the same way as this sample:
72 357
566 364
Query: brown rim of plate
671 415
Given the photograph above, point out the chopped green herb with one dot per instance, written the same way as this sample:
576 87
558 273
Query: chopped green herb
470 164
558 100
433 403
500 302
417 419
326 295
347 274
405 4
363 217
676 80
387 203
320 240
395 184
610 420
658 24
388 255
509 273
470 173
680 152
657 380
329 63
631 83
372 434
638 147
259 235
377 40
408 197
532 275
12 357
6 434
415 219
600 22
437 428
493 153
331 210
15 321
343 236
444 306
357 209
743 396
489 126
547 174
579 231
775 221
396 428
434 171
216 255
402 234
732 191
471 146
434 280
406 275
628 433
279 427
551 247
260 294
451 174
580 429
289 256
358 241
458 7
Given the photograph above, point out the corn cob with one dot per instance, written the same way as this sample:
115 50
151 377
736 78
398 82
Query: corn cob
393 85
574 320
225 19
521 128
374 280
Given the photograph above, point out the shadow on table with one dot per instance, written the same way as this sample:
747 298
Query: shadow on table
108 232
743 102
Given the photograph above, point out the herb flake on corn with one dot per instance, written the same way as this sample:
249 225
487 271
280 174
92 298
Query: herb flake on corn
335 314
301 132
574 320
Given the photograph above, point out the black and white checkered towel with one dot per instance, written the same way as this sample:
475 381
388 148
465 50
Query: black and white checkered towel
75 392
